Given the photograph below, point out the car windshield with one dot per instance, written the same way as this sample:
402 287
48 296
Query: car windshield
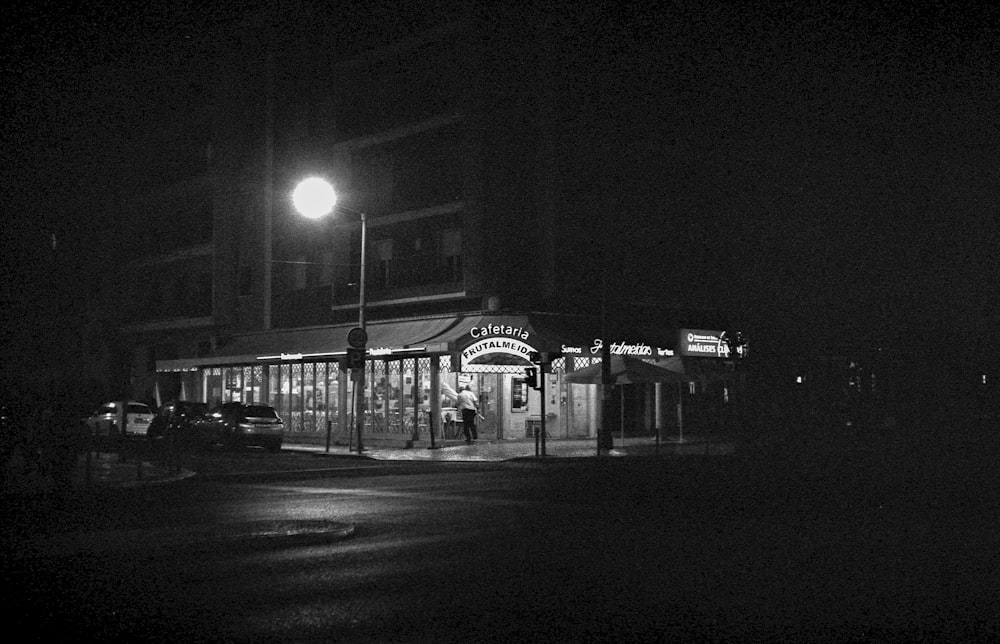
260 411
135 408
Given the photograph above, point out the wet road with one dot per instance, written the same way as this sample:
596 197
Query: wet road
834 547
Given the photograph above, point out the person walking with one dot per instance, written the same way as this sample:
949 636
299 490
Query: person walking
468 406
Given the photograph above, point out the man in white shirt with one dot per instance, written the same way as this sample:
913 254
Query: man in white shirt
468 406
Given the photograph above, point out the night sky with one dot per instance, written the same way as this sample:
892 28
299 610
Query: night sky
834 168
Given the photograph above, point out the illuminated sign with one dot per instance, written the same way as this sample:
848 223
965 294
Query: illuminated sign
387 351
301 356
622 349
699 342
496 351
498 329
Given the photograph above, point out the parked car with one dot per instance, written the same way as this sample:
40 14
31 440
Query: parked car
178 420
238 424
121 418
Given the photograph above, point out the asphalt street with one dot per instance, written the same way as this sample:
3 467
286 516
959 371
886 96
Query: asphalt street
870 542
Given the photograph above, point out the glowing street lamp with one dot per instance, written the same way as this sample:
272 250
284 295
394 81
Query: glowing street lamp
315 198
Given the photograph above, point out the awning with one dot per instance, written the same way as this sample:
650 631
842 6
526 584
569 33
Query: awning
626 370
384 338
433 335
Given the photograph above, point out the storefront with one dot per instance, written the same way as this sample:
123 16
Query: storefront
415 367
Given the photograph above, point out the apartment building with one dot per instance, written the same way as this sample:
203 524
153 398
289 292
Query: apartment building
475 260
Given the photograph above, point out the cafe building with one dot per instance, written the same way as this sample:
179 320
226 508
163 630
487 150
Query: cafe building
414 368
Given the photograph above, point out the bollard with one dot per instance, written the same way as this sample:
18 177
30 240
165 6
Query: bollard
329 428
172 459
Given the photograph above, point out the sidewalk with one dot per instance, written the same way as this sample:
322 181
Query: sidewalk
506 450
106 469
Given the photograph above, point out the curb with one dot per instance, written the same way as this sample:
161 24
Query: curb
250 535
278 533
151 480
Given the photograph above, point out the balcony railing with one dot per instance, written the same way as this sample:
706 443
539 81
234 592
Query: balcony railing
411 275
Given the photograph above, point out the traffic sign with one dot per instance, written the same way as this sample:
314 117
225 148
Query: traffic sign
355 358
357 337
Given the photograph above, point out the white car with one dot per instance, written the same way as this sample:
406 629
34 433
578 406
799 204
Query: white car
127 418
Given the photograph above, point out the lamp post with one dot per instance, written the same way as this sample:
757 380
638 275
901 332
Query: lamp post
315 198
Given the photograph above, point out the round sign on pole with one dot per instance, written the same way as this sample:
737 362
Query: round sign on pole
357 337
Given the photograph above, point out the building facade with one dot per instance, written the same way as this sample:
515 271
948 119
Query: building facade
477 252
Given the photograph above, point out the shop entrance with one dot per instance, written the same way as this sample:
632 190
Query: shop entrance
488 390
511 410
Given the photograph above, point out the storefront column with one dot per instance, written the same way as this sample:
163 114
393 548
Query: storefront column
415 397
343 378
265 383
436 397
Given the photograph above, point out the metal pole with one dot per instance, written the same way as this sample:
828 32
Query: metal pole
354 413
621 413
680 413
541 390
658 414
358 400
434 415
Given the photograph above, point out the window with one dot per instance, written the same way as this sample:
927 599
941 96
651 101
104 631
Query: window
427 169
416 83
326 270
299 272
518 394
418 171
154 296
246 281
451 254
382 273
204 287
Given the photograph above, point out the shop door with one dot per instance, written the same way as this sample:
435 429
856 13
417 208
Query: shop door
489 396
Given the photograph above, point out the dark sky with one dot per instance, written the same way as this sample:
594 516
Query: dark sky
80 86
845 160
832 165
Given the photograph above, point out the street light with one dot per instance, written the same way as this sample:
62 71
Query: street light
315 198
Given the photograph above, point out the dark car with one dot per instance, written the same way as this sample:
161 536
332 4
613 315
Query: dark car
178 420
238 424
